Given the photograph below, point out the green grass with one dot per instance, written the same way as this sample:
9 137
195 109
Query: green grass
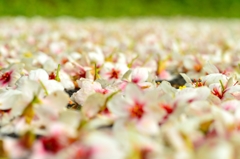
113 8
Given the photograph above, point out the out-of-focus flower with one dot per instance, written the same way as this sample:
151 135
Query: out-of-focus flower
90 148
112 71
10 75
136 105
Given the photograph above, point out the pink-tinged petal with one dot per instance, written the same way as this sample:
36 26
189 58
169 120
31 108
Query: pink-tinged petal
82 152
164 74
230 105
18 152
122 85
39 152
236 95
139 75
234 91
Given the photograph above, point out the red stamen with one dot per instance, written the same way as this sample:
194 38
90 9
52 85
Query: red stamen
114 74
217 93
167 108
137 110
6 77
52 76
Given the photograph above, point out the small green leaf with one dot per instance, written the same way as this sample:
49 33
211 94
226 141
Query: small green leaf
43 86
96 75
222 86
57 74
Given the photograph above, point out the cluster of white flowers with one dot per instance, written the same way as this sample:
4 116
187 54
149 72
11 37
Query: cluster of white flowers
98 89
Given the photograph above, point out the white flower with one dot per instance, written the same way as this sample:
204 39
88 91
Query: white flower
88 87
214 78
42 76
138 106
10 75
112 71
139 75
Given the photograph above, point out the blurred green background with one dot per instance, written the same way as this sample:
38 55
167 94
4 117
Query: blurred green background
121 8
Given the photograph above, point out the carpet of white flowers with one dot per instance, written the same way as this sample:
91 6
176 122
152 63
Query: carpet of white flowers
119 89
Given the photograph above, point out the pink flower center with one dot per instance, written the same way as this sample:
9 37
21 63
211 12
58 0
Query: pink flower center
167 108
103 91
135 80
137 111
6 77
51 144
114 74
83 152
81 74
52 76
105 111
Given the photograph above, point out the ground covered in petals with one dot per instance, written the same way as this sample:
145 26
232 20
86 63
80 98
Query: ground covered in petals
119 89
